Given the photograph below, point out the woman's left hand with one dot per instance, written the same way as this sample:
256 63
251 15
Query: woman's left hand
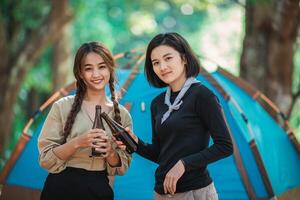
172 177
120 144
111 156
104 145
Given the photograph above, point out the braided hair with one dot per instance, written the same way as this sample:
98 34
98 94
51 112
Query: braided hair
82 52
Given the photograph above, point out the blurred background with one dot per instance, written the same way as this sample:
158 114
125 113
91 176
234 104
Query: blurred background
256 40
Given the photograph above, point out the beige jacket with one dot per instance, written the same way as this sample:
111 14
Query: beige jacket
52 136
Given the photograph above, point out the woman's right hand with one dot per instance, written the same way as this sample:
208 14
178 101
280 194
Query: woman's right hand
88 139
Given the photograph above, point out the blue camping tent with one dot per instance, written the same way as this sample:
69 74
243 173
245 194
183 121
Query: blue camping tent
265 163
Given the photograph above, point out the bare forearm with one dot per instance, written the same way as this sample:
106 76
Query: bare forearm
114 159
66 150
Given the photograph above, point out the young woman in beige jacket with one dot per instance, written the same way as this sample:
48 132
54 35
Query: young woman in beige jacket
67 136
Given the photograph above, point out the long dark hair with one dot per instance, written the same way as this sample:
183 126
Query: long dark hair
82 52
177 42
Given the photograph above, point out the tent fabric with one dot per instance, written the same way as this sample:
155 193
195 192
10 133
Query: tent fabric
266 103
278 155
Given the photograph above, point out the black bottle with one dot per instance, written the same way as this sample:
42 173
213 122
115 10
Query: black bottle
120 133
99 125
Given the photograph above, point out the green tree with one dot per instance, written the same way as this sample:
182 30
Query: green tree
26 29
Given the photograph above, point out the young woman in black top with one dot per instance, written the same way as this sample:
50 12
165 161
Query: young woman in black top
183 120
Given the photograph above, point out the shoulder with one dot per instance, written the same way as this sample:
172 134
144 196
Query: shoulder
64 103
124 113
158 99
123 110
65 100
201 91
205 98
126 119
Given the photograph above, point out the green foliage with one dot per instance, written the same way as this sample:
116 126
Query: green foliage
200 5
296 73
40 76
261 2
30 14
123 25
88 27
23 16
295 117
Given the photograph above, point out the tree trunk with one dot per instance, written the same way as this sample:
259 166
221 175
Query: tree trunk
268 50
62 60
16 65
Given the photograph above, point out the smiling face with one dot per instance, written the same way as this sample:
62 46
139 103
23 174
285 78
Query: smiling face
168 65
94 72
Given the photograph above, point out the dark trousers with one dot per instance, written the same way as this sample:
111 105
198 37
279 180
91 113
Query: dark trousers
75 183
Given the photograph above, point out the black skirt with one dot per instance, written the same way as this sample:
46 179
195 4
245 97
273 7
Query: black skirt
75 183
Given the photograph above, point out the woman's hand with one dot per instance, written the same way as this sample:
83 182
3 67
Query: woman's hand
172 177
103 144
88 139
120 144
135 138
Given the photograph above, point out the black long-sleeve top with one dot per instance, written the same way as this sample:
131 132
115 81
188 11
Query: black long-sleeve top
185 136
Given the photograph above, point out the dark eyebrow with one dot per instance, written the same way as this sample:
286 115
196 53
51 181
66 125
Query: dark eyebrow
153 60
167 54
97 64
101 63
